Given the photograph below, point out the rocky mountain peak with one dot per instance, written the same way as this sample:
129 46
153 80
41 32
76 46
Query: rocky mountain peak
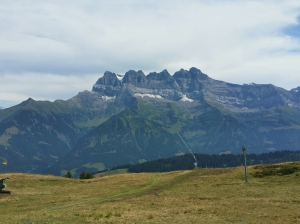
190 82
193 73
161 80
197 74
163 75
157 85
182 74
135 78
297 90
108 85
27 102
193 84
109 79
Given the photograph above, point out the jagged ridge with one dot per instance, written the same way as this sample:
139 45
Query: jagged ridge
194 85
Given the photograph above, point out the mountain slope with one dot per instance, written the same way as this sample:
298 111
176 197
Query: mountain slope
124 138
217 130
212 116
131 137
32 139
36 134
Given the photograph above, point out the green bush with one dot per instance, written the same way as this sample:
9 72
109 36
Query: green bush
274 170
68 175
82 175
85 175
89 176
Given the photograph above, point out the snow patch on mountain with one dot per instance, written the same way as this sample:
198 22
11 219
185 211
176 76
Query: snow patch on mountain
184 98
120 77
106 98
148 95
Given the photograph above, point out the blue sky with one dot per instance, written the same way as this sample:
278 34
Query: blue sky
54 49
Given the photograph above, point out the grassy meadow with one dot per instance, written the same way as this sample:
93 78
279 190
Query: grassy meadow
194 196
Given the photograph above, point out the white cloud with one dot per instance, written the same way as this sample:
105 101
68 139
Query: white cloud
234 41
19 87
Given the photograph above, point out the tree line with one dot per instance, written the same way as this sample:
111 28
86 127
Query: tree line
186 162
83 175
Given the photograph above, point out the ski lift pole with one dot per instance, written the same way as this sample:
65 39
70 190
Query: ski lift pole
5 163
245 164
196 162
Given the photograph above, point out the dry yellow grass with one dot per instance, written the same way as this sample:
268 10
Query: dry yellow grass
197 196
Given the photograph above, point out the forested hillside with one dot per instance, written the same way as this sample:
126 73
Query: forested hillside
186 161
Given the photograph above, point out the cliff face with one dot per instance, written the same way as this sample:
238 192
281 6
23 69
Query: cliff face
109 84
192 85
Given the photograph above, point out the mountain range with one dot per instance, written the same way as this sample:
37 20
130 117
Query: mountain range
136 118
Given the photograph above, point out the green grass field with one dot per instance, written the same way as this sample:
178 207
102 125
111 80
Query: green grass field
196 196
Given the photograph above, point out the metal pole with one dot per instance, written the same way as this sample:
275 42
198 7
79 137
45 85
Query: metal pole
4 163
245 163
196 162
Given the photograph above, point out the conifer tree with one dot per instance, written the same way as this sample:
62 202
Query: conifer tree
89 176
68 175
82 175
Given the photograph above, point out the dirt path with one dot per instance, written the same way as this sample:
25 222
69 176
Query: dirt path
136 191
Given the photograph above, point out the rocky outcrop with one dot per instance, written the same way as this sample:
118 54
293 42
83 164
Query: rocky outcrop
156 85
191 82
134 78
108 85
190 85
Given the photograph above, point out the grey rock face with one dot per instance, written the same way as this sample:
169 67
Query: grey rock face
109 84
159 85
252 97
191 82
134 78
189 85
164 85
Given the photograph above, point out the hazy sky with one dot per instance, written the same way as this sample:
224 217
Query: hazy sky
54 49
